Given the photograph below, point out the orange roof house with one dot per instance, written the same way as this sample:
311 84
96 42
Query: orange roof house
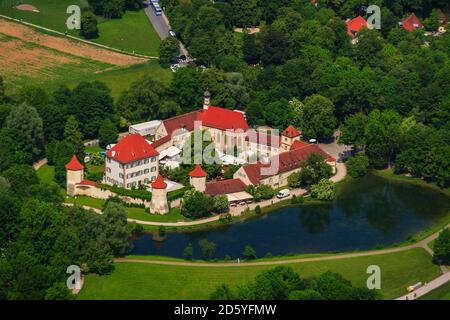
355 25
411 23
131 148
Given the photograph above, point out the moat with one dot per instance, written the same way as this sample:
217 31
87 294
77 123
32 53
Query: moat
368 213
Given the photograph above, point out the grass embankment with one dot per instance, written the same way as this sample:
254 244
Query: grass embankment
148 281
132 212
120 79
132 33
441 293
46 173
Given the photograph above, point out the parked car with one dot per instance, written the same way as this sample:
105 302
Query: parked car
173 34
283 194
414 287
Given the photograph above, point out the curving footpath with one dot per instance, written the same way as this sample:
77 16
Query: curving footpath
421 244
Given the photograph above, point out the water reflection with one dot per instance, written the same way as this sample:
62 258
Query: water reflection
369 212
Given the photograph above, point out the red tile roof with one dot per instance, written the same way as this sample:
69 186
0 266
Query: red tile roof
159 183
132 148
184 121
412 22
291 132
223 119
331 159
298 144
74 164
198 172
287 161
161 141
225 187
355 25
87 183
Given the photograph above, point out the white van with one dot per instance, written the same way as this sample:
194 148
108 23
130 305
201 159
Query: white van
283 194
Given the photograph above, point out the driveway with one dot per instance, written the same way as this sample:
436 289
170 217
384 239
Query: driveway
160 23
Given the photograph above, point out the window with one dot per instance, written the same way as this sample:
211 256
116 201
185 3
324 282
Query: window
146 171
153 169
120 175
153 159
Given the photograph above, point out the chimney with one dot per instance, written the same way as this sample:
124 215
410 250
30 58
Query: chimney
206 100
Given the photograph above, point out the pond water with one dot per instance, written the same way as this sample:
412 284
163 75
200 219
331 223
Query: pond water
369 212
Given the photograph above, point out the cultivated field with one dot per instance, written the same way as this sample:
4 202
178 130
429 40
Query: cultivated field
132 33
66 45
31 57
24 63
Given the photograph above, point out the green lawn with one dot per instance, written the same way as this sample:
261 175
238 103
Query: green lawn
132 33
139 214
93 149
148 281
46 173
441 293
120 79
86 201
133 213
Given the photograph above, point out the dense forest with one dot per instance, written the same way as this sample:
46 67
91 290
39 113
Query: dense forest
389 94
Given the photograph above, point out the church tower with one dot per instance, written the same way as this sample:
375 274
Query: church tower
206 100
288 137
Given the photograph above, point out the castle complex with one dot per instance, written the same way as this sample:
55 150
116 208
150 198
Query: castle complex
134 161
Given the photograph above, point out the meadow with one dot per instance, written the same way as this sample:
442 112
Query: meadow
153 281
132 33
25 63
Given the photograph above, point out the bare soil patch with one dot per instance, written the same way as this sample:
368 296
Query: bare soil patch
66 45
18 59
27 7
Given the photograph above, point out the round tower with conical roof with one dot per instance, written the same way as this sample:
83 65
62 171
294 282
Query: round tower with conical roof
74 175
159 202
197 178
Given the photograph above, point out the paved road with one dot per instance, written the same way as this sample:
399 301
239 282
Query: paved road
436 283
160 23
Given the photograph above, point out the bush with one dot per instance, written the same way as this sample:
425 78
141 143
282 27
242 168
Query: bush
358 165
95 176
442 248
261 192
196 205
294 180
208 248
221 204
297 200
188 252
177 194
324 190
249 253
258 209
